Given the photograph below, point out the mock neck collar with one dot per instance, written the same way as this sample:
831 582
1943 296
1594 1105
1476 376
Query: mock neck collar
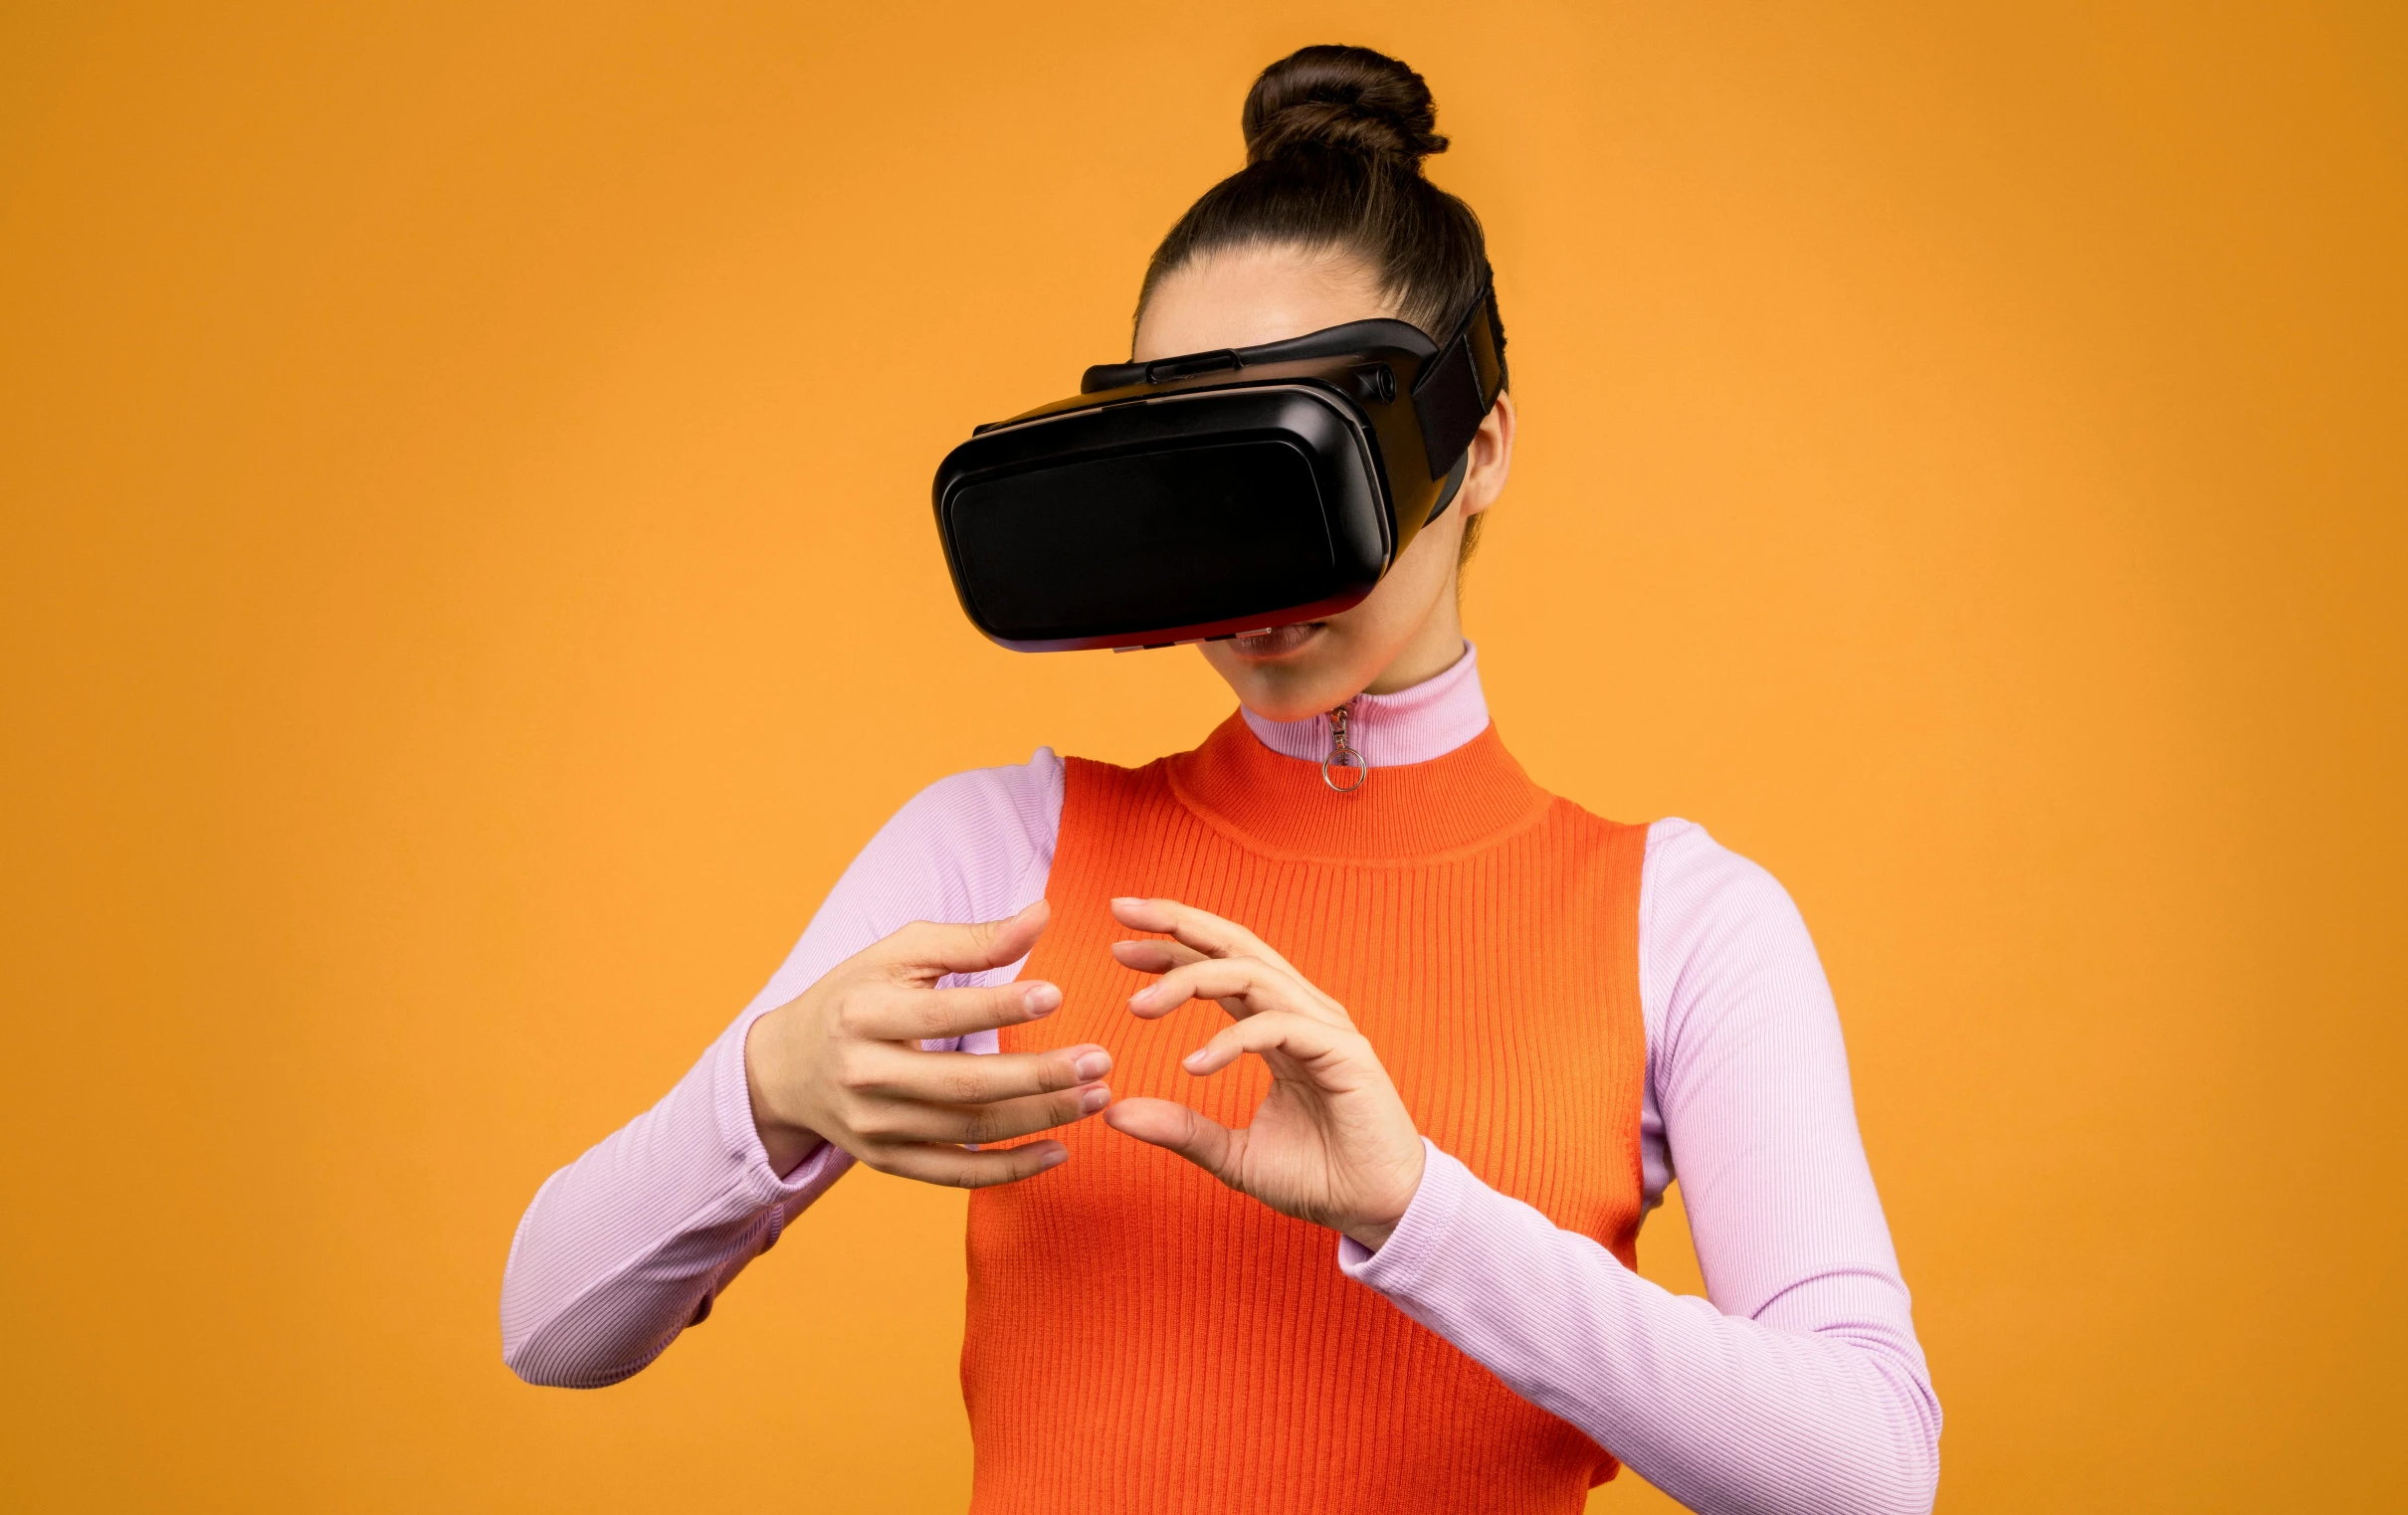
1415 725
1463 801
1441 783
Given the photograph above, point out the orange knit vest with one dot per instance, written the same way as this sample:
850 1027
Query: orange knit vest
1141 1338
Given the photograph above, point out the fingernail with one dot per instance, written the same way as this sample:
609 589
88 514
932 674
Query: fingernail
1138 1001
1094 1065
1044 999
1128 900
1192 1058
1053 1159
1094 1099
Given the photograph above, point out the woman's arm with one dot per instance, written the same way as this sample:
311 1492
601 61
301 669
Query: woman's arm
628 1245
1800 1387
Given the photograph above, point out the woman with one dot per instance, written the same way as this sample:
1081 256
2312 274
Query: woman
1388 1080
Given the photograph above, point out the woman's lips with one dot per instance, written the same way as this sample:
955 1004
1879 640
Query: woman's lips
1279 642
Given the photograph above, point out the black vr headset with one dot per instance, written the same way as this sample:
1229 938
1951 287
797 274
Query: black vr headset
1203 496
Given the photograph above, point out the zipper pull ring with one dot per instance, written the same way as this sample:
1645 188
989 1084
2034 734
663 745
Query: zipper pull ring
1342 758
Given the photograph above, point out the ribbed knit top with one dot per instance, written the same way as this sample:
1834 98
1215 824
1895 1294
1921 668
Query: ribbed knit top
1796 1387
1141 1338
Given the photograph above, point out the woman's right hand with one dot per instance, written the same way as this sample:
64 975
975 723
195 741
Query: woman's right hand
842 1061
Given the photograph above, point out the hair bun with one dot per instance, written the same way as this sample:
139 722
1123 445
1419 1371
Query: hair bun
1349 100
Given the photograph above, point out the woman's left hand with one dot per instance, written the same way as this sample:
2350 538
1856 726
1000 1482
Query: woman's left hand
1332 1143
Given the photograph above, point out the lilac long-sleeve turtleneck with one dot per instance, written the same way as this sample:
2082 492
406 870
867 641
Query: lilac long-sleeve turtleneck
1796 1385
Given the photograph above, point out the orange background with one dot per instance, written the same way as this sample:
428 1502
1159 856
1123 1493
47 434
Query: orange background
468 589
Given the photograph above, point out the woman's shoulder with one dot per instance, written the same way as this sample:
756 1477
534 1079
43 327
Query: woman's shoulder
1020 795
973 845
1722 950
1695 879
1692 890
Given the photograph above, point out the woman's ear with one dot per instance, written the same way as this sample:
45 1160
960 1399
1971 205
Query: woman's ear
1492 458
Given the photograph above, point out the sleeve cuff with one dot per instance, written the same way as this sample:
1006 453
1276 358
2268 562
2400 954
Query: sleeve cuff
1429 1224
732 1105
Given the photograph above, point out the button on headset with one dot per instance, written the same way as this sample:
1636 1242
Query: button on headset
1375 381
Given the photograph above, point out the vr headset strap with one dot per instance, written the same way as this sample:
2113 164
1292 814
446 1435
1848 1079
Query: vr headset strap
1455 390
1447 491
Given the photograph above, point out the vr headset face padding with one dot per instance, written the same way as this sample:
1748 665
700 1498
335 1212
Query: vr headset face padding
1217 492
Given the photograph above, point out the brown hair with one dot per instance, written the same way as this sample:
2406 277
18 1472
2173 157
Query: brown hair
1335 138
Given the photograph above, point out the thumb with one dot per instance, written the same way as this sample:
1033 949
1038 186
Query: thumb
927 950
1198 1138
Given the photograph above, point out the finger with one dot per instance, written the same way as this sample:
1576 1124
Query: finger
1201 929
1196 1137
909 1120
1316 1046
1154 956
970 1078
936 1015
924 951
933 1164
1256 986
1238 979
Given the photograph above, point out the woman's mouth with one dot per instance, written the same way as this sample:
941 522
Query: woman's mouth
1277 642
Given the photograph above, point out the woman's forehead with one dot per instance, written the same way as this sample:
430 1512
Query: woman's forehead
1243 296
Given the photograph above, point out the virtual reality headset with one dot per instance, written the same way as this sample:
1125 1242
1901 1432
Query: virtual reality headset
1215 493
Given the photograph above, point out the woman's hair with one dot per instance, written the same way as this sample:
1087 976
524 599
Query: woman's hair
1335 138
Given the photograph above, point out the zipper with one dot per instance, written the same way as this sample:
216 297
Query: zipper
1341 756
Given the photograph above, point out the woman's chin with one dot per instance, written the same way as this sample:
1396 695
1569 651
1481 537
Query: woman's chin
1289 672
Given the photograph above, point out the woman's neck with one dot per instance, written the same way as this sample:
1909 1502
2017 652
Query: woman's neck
1435 647
1413 724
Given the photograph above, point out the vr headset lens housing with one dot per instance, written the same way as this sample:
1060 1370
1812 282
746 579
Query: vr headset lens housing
1217 492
